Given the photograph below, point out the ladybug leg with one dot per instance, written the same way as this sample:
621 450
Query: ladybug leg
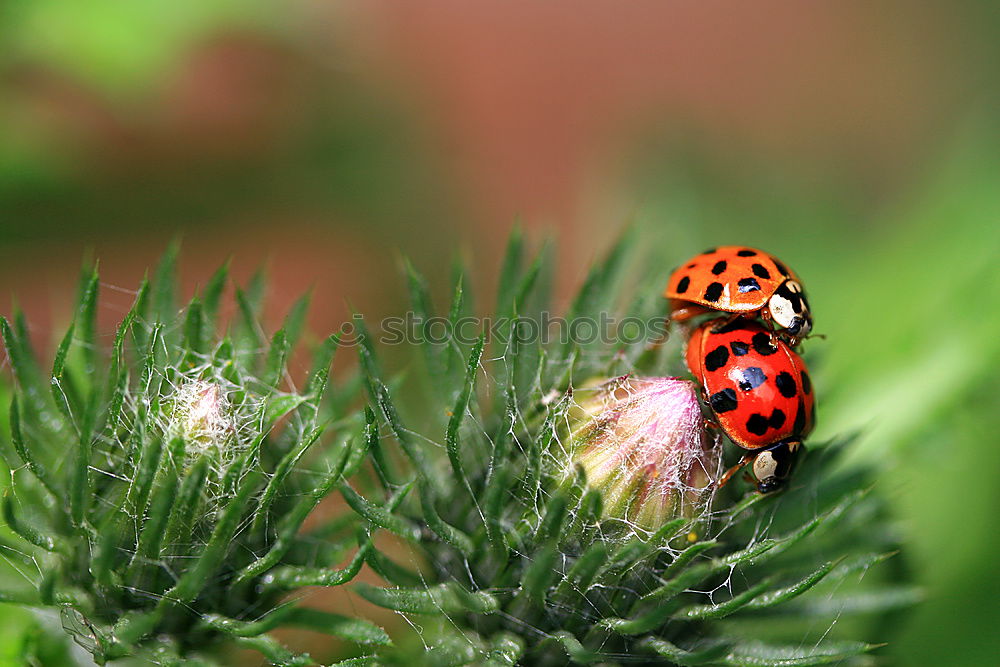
735 469
682 311
783 336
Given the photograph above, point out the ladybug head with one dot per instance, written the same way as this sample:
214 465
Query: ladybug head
773 466
790 310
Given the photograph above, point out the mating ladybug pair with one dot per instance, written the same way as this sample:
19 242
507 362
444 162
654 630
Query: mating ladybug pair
755 383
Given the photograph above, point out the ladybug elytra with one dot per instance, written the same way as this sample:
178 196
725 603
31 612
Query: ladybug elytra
759 391
743 281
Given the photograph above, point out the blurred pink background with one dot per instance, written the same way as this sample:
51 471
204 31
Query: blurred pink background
522 110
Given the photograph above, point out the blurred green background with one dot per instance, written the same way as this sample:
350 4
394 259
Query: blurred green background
858 141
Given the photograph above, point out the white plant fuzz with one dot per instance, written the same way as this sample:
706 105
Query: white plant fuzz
203 416
643 443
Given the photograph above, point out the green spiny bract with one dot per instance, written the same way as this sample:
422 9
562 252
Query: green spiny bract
518 567
159 494
161 486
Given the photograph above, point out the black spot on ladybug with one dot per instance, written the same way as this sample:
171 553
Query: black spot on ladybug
682 285
763 344
807 385
738 348
748 285
757 424
747 253
723 401
786 384
719 268
760 271
716 359
800 418
713 292
691 266
781 267
710 251
753 377
777 419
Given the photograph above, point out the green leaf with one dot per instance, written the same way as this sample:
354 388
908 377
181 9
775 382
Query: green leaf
248 319
540 574
281 472
149 461
359 453
185 509
154 528
274 651
277 356
423 310
352 629
584 570
701 656
119 374
458 412
636 549
551 527
23 529
380 396
195 332
450 534
87 319
291 577
781 595
686 556
493 511
576 651
756 654
212 295
723 609
380 516
446 599
391 571
22 360
867 602
291 523
211 557
321 369
510 271
58 368
27 456
165 285
295 320
279 405
505 651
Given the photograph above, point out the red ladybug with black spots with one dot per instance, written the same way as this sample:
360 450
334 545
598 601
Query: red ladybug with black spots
743 281
760 392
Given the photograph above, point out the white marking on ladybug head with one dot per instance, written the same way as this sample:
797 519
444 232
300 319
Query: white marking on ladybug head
765 466
789 308
782 310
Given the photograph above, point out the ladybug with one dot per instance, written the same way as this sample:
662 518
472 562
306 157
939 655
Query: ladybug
744 281
760 393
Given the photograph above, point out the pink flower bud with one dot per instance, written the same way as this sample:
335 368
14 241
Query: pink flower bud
643 443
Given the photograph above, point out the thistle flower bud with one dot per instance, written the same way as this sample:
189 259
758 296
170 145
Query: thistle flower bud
201 413
642 442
